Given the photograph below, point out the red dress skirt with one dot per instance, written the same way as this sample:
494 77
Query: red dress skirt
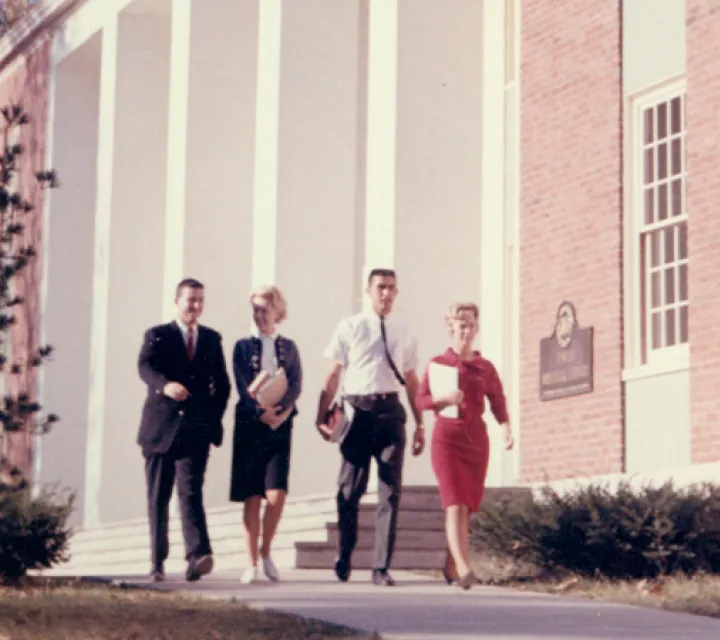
460 447
459 454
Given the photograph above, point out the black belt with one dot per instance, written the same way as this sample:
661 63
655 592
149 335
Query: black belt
372 397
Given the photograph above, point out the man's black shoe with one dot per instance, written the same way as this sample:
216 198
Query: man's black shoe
342 570
382 578
157 574
199 567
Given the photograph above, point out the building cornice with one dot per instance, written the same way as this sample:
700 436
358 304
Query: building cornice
30 28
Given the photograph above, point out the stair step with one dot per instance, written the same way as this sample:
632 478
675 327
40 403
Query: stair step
323 557
413 499
306 538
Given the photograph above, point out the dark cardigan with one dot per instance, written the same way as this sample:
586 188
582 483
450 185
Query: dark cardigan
246 365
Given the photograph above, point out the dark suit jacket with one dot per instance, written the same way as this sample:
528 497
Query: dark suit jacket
163 358
247 408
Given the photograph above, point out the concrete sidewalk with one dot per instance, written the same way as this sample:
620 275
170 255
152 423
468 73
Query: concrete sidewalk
420 607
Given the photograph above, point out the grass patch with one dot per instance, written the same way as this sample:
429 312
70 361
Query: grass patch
76 610
699 594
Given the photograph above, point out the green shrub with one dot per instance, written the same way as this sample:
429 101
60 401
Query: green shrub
593 531
33 531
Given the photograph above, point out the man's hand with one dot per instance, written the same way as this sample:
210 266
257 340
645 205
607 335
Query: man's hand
176 391
509 440
324 431
418 445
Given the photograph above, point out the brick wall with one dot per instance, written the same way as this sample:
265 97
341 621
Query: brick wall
703 194
25 81
571 228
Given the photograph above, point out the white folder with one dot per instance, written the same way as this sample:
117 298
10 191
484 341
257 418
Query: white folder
443 381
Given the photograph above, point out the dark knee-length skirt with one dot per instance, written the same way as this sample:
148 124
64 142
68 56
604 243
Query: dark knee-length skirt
260 459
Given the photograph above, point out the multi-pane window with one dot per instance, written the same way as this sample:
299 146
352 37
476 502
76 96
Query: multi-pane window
663 228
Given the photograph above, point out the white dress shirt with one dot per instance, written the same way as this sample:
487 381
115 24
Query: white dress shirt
268 360
185 330
357 344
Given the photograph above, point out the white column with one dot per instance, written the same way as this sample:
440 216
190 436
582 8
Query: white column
177 153
267 122
381 135
129 278
494 327
512 201
101 275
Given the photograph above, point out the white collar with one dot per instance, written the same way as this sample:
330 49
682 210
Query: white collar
256 333
375 317
184 328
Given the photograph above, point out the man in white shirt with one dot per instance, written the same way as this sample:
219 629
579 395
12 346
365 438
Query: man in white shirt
378 356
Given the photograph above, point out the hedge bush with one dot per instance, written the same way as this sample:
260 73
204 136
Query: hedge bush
591 531
33 531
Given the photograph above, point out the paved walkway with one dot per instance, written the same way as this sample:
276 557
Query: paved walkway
420 607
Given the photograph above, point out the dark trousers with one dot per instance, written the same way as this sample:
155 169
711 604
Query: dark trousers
184 466
377 431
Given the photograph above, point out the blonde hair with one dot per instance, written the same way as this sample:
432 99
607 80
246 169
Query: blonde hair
274 298
459 309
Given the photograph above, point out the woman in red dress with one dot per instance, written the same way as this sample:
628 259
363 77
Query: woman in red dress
460 447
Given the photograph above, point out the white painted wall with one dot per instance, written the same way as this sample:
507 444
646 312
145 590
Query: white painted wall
300 144
657 419
315 260
68 267
653 43
657 414
218 200
438 187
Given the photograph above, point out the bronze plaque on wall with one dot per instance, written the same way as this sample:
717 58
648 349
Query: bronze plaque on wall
566 357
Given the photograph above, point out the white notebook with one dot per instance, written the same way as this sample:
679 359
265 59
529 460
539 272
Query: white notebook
443 381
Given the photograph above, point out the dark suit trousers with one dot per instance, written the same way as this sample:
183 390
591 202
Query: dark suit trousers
183 465
377 431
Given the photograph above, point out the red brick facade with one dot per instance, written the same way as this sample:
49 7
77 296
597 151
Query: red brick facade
571 228
25 81
703 194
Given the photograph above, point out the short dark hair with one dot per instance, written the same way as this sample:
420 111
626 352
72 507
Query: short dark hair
381 273
188 283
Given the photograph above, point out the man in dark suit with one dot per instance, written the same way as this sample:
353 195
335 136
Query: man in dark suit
183 365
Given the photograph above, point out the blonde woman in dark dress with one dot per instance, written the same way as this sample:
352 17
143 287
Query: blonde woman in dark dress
263 437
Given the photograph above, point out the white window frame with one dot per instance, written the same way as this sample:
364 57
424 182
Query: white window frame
666 359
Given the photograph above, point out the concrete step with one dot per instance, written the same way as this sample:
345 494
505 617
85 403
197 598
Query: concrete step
306 538
430 539
414 498
307 555
427 539
136 535
321 556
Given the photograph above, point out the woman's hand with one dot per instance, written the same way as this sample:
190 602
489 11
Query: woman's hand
452 399
509 440
273 416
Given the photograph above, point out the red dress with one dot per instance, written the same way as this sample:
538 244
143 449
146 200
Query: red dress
460 448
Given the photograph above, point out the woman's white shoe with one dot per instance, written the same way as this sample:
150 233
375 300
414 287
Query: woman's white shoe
270 570
250 575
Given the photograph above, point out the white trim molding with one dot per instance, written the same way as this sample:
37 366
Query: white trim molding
641 359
